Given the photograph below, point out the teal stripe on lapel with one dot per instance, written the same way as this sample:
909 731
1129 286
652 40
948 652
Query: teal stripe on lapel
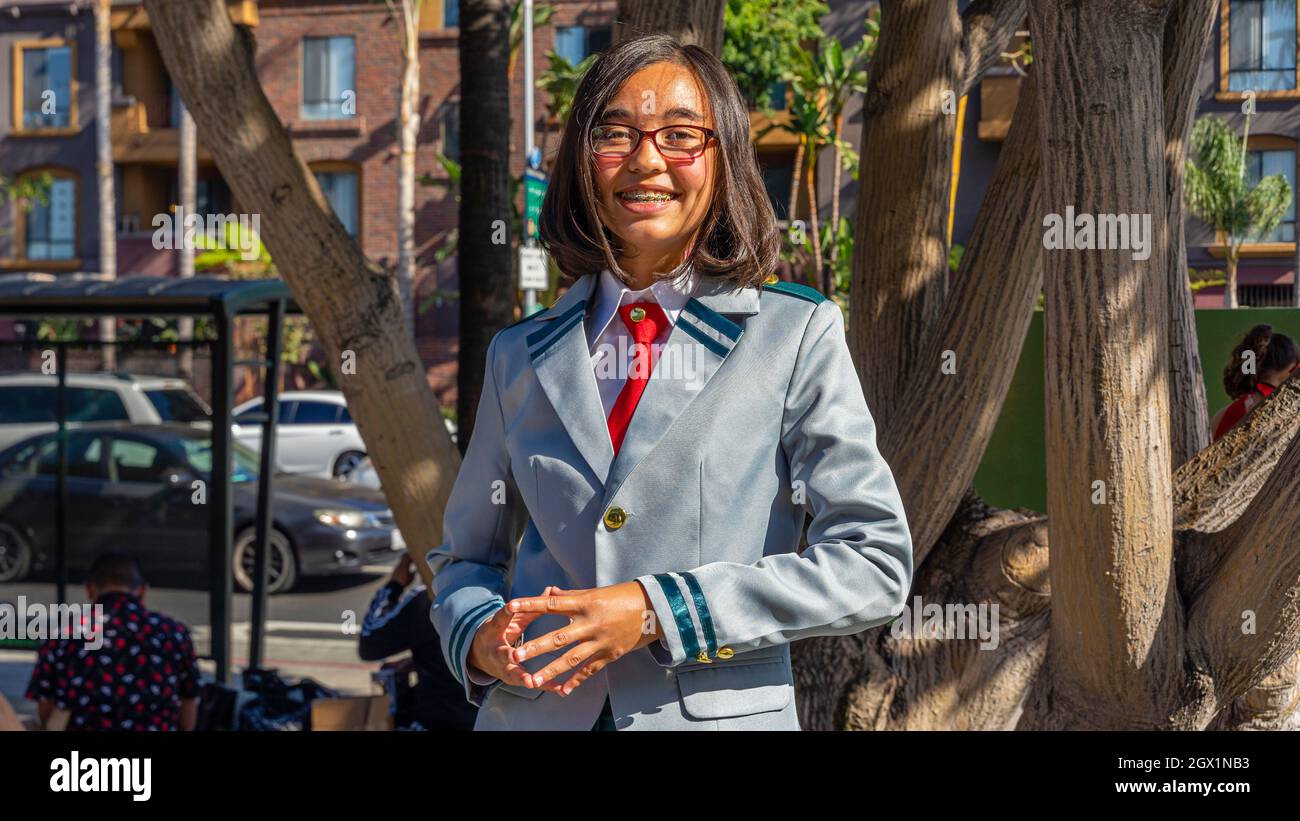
461 631
543 338
703 338
702 610
714 319
685 627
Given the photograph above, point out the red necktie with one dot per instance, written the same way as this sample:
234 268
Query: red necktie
645 320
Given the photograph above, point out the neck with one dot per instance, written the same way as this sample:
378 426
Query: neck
644 269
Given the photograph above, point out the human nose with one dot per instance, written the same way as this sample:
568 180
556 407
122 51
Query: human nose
647 156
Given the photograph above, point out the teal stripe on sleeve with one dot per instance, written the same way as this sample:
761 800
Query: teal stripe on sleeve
462 629
685 627
702 610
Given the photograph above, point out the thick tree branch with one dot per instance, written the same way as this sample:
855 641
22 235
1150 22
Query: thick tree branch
1187 32
987 27
1245 624
352 303
698 22
900 255
1212 490
951 416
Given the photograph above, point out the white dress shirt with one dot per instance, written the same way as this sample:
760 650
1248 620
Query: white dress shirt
608 336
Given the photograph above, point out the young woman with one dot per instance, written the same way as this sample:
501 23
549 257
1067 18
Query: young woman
658 437
1272 358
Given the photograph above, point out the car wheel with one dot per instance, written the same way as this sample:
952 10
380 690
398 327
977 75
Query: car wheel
282 571
15 554
346 463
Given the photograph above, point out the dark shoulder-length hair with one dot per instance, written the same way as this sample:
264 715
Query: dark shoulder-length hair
738 239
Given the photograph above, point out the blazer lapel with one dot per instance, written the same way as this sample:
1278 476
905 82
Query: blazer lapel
698 344
562 360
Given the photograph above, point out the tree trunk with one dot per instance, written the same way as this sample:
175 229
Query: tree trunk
693 22
187 166
794 181
1134 639
104 171
484 258
1230 287
352 302
810 180
900 249
1114 653
408 122
837 174
1186 37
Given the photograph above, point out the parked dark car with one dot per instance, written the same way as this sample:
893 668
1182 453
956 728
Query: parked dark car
144 488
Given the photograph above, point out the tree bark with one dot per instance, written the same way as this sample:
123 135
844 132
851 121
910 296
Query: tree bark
352 302
104 171
1213 489
187 169
485 261
697 22
900 252
408 125
1187 34
1114 657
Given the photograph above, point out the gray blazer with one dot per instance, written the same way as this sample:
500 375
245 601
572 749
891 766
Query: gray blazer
754 415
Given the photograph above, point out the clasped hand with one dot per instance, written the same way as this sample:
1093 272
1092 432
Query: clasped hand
604 623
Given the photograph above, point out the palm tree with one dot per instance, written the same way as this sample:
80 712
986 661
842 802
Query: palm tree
1218 192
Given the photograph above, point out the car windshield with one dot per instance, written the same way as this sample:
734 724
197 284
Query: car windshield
179 405
244 461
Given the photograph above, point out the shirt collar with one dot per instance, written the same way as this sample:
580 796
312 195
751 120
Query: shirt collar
611 292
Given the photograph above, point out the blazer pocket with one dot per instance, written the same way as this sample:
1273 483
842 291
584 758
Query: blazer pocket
736 688
523 692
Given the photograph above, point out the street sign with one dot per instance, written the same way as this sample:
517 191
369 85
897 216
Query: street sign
532 269
534 192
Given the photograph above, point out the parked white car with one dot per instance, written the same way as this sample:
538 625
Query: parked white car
29 402
315 435
366 475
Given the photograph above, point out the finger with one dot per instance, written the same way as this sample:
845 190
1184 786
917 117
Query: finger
585 672
570 659
545 604
518 623
513 674
557 639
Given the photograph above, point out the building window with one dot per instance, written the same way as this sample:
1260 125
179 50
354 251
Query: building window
576 43
450 13
1260 164
44 75
329 68
1261 45
449 130
341 189
50 227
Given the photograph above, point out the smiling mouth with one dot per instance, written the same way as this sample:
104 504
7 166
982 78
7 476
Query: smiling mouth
642 195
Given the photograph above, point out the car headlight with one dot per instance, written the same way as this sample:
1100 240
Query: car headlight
350 519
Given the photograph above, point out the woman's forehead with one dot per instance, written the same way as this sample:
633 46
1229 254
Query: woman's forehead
662 91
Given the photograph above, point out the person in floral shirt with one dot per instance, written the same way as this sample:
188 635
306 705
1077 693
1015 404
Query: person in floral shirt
142 676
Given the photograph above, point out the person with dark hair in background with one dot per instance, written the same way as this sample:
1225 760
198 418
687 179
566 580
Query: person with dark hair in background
139 673
397 622
1260 363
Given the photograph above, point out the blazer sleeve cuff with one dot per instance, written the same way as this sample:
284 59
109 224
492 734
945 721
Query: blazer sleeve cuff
457 618
671 597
